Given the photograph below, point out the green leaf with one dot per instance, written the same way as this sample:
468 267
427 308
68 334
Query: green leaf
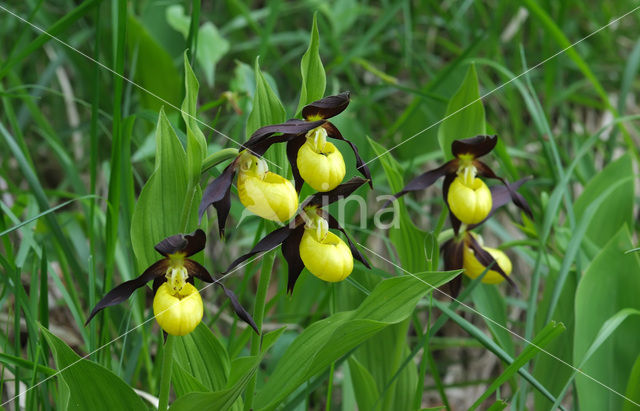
466 114
202 356
155 71
364 385
314 79
609 284
158 212
617 209
242 369
267 108
633 387
488 300
546 335
196 142
325 341
88 386
407 238
177 19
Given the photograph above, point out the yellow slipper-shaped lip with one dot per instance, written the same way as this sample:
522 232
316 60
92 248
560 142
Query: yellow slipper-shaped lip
272 197
178 314
329 259
473 268
470 203
323 170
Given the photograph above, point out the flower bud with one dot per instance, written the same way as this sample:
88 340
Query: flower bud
473 268
179 313
319 162
469 202
328 257
272 196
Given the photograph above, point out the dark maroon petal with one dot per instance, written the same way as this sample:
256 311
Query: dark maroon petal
269 242
426 179
333 223
291 252
222 209
291 127
329 197
452 253
485 171
327 107
476 146
196 270
217 189
124 290
239 309
454 286
362 168
500 196
293 146
186 243
487 260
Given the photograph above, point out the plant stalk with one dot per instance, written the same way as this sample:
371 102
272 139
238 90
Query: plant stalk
258 317
165 377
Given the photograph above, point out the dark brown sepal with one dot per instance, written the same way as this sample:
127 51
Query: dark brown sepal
327 107
124 290
452 253
183 243
293 146
361 166
427 178
487 260
291 252
293 127
455 285
500 196
217 190
476 146
268 242
239 309
222 209
517 198
329 197
196 270
333 223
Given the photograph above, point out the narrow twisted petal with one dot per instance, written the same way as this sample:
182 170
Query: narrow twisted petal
124 290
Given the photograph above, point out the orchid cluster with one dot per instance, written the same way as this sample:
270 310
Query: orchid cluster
471 203
306 240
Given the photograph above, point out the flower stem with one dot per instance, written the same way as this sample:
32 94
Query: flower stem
332 310
165 378
258 317
218 157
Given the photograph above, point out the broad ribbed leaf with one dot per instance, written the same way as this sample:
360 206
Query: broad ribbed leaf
202 356
159 211
267 108
313 75
465 114
196 142
610 284
325 341
89 386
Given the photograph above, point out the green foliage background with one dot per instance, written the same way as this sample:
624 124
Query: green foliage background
98 162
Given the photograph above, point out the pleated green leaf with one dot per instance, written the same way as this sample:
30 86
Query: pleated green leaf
160 207
85 385
610 284
314 79
465 114
325 341
267 108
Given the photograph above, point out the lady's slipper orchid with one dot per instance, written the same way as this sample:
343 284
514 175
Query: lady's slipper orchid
464 192
473 268
262 192
313 159
307 241
177 304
